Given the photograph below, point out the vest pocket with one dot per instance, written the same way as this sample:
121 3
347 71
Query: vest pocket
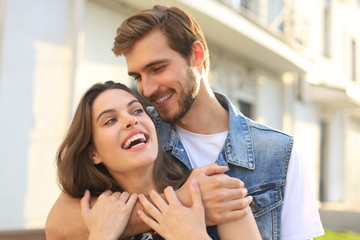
266 198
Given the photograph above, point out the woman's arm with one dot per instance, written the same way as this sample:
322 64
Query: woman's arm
243 228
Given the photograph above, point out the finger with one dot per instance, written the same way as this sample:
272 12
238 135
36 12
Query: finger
124 196
212 169
227 194
85 202
195 193
236 193
158 201
115 195
149 207
225 181
236 214
132 200
148 220
171 196
230 211
107 193
236 204
242 203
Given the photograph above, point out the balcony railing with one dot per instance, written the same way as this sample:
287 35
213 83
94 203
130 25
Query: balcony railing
278 17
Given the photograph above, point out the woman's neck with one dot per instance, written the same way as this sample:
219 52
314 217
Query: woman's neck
137 181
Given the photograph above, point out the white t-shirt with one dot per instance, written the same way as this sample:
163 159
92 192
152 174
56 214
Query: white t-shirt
297 223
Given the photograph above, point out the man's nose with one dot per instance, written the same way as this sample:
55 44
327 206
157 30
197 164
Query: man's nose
148 86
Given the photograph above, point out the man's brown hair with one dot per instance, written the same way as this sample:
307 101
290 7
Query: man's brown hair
178 26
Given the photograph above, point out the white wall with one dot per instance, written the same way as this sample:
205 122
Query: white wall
35 63
96 61
51 52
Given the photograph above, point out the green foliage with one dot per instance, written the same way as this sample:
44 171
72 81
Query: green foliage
333 235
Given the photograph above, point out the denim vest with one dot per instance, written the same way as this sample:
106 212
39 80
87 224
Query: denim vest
256 154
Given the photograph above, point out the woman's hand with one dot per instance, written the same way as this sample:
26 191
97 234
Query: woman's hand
171 219
109 216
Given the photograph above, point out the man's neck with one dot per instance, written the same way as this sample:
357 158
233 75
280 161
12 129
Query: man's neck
206 115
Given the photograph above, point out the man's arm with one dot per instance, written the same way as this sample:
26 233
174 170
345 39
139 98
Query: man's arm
65 221
223 198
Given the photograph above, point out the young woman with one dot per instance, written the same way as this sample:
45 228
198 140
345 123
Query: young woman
111 150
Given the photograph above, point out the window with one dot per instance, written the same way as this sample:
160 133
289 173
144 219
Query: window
299 88
275 14
327 29
323 188
245 108
353 61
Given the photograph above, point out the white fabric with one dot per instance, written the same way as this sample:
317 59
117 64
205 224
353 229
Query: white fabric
299 218
201 149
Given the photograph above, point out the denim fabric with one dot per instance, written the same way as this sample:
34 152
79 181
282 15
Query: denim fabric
254 153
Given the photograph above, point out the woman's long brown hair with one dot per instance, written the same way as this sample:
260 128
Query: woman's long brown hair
77 172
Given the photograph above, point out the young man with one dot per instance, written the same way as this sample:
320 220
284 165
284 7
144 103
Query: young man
167 55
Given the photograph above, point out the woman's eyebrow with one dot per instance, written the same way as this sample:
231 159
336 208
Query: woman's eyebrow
113 110
132 102
103 112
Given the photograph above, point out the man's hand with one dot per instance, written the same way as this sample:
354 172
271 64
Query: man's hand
224 198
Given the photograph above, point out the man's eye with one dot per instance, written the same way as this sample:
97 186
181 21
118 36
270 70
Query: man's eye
159 69
110 121
137 78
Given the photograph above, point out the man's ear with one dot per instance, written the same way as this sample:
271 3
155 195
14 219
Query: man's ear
95 156
198 54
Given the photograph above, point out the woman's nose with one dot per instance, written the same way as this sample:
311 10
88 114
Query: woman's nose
132 121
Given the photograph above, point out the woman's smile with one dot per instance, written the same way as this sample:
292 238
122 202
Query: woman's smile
135 141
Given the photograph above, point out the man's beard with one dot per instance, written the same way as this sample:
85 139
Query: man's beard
186 98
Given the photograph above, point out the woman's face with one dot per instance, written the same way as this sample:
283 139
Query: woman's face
123 134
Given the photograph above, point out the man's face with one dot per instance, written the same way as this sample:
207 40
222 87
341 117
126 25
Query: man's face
163 76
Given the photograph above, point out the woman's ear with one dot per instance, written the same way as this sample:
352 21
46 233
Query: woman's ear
95 157
198 54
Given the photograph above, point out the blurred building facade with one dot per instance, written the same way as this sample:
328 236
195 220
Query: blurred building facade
291 64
